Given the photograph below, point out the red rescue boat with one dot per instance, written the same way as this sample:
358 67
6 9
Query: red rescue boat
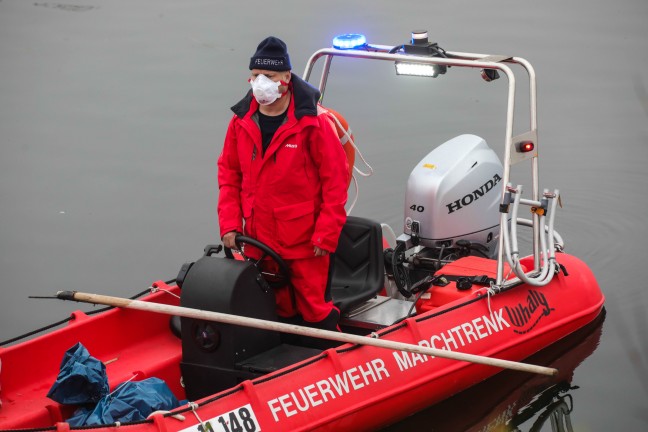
453 283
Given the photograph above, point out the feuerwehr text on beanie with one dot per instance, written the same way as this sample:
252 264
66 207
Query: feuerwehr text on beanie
271 54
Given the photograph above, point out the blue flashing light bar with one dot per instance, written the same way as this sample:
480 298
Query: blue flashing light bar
349 41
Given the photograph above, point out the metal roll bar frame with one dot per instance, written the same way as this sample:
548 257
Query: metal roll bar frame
511 156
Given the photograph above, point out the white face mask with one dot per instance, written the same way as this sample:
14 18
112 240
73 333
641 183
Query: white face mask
265 90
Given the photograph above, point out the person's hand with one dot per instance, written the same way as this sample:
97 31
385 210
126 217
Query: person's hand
319 251
229 240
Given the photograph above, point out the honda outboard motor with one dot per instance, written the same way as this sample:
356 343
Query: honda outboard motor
211 350
452 196
451 211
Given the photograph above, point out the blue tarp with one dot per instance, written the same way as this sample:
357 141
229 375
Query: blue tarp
131 401
82 378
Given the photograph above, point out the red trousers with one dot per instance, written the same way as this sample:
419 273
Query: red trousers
307 294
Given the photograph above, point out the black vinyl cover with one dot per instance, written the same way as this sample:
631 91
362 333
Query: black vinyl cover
358 273
211 350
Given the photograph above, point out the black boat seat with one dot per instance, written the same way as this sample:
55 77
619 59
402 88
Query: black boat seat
358 272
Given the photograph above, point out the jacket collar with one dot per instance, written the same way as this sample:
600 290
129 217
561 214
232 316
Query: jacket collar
304 95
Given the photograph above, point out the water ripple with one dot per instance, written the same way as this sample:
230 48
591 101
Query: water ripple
67 7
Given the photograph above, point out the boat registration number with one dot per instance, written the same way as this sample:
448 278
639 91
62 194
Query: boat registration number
238 420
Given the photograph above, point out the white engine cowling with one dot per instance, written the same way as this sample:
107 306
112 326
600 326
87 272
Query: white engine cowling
454 193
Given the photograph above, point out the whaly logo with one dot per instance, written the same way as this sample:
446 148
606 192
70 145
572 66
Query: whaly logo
526 316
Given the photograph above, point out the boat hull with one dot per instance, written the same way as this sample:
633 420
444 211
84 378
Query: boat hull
346 388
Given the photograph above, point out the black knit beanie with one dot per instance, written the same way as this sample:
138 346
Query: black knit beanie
271 54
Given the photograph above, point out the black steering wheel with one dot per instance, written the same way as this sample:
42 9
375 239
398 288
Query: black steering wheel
278 280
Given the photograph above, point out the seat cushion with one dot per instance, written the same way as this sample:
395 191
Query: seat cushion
358 272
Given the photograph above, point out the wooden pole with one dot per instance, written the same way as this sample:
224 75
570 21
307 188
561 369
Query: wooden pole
299 330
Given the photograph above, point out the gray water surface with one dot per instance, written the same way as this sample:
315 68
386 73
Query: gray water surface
113 112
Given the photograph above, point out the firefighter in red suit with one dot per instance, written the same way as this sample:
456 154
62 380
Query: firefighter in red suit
282 179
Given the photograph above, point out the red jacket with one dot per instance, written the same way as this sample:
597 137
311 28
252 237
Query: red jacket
292 197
